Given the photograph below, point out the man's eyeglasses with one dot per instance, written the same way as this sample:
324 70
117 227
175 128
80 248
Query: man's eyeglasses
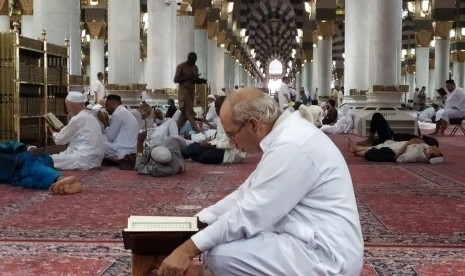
232 135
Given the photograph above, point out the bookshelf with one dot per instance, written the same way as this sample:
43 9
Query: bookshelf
34 80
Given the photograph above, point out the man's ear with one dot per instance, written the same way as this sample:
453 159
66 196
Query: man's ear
255 124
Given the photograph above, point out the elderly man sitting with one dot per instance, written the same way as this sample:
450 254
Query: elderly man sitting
83 133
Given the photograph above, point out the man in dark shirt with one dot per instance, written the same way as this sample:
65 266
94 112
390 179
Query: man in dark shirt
187 74
171 109
331 115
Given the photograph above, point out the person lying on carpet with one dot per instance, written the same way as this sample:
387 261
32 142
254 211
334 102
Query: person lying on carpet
380 126
344 124
294 215
19 167
414 150
163 159
218 150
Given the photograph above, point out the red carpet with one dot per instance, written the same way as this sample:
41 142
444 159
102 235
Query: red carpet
412 215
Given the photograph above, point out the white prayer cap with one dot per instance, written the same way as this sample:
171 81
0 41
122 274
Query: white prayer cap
210 96
75 97
161 155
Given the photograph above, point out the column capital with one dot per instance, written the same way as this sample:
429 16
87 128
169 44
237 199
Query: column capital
442 29
410 69
97 29
458 56
26 6
431 64
3 7
212 29
325 29
200 18
185 9
423 38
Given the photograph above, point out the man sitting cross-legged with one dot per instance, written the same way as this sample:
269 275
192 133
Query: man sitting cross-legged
294 215
218 150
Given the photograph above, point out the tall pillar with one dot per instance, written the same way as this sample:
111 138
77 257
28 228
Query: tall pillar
315 73
4 22
185 36
201 50
356 44
220 66
123 41
385 20
325 60
441 52
160 50
211 65
97 49
237 73
422 67
423 39
60 19
310 84
431 82
410 79
458 58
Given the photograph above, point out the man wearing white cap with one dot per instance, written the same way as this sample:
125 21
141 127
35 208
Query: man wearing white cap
209 122
83 133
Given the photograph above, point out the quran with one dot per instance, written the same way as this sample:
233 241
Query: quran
441 91
158 235
53 121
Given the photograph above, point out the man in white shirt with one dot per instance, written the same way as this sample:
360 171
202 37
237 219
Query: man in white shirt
284 94
99 90
427 115
141 113
209 122
284 219
317 113
454 107
163 128
83 133
120 136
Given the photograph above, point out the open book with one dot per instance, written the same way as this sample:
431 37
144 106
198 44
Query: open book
53 121
441 92
158 235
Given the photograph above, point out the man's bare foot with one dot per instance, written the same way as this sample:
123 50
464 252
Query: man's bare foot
66 185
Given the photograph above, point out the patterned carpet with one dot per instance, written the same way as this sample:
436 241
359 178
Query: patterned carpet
412 215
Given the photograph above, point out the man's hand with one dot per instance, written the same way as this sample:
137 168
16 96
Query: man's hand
178 261
103 117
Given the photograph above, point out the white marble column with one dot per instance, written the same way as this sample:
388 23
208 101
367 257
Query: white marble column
431 91
185 37
201 38
422 67
243 77
60 19
459 73
220 69
325 53
237 73
356 44
211 65
227 72
441 62
97 58
315 74
309 84
298 81
410 79
385 19
160 50
4 23
123 41
143 71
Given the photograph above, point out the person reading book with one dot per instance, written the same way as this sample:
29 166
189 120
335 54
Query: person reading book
454 107
20 167
83 133
53 121
294 215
